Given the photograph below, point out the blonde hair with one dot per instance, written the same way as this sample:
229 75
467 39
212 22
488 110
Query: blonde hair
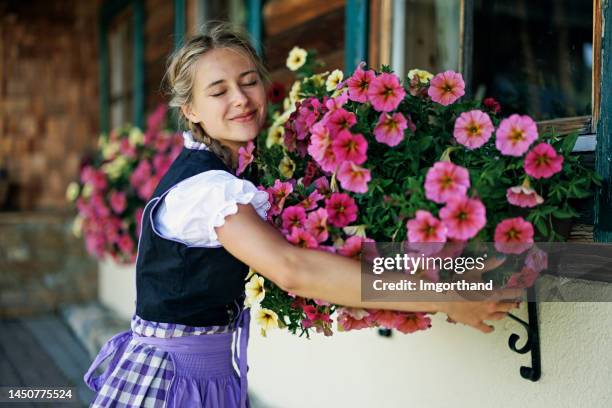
181 71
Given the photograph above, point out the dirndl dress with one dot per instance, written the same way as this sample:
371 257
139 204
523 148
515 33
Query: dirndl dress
173 365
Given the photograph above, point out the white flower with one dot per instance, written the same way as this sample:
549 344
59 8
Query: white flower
275 136
424 76
136 137
255 291
72 192
267 319
333 80
297 58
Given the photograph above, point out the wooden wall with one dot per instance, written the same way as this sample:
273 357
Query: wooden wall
159 39
310 24
49 106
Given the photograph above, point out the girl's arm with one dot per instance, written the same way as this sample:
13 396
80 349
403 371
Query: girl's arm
333 278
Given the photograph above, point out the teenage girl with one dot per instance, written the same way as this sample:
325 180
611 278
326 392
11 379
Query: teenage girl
202 230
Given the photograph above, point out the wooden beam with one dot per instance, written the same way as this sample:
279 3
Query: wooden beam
603 151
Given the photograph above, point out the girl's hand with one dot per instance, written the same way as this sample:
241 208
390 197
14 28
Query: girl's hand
474 313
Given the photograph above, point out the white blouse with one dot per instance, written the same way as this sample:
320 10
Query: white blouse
194 207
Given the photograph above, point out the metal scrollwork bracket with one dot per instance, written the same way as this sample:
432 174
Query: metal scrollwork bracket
533 340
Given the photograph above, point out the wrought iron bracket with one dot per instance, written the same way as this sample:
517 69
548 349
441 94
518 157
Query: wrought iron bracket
533 340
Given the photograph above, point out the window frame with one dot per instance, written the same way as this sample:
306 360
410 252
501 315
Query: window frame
108 11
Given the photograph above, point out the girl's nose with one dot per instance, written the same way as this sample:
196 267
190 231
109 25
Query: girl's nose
240 98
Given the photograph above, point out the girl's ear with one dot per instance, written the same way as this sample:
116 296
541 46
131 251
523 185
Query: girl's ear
188 112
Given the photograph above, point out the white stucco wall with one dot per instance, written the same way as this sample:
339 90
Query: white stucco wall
449 365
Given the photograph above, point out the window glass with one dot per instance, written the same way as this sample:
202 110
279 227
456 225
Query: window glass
534 57
121 66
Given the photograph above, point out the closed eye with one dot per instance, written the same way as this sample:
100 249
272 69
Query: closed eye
247 84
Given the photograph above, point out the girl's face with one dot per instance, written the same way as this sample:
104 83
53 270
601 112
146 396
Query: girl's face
228 100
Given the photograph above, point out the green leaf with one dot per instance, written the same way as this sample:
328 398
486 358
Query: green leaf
541 226
569 142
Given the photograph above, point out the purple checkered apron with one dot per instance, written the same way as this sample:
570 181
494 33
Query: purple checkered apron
171 365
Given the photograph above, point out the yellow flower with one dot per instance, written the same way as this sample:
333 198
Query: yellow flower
72 192
424 76
267 319
87 190
317 79
115 168
286 167
254 290
275 136
110 150
136 137
297 58
77 226
294 93
333 80
355 230
102 141
251 273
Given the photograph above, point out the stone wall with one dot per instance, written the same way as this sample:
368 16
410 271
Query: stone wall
42 265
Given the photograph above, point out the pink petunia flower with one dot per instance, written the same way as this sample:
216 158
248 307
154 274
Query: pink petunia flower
513 235
543 161
426 228
523 279
536 259
492 105
359 83
353 177
333 104
385 92
161 163
523 196
350 147
125 244
339 119
118 201
446 87
322 186
353 319
463 217
245 157
446 180
294 216
277 195
515 134
413 322
320 148
390 128
341 209
140 174
301 238
316 224
473 129
310 202
352 246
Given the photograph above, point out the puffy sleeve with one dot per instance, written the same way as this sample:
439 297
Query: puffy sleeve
192 209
